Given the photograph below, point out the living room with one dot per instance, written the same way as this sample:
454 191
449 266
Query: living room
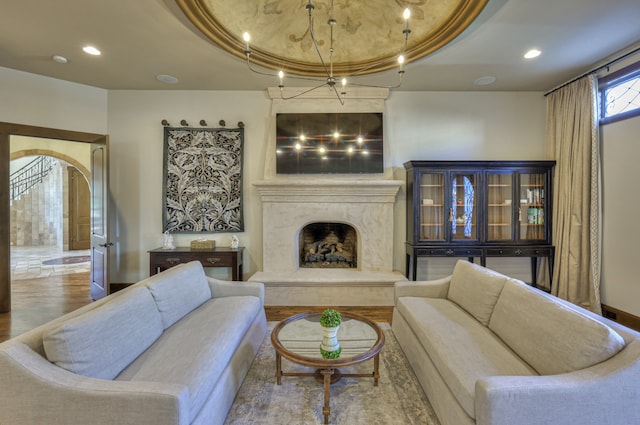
465 123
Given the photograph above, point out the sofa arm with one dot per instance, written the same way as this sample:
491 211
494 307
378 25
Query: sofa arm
35 391
225 288
438 288
608 392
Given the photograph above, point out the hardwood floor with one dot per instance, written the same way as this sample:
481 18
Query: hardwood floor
37 301
375 313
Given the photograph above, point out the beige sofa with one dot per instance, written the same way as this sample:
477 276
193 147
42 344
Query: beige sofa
491 350
171 349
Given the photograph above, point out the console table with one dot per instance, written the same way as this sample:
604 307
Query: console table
162 259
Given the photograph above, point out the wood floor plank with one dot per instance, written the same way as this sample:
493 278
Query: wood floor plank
375 313
37 301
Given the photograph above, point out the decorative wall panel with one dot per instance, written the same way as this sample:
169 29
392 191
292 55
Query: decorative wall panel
202 181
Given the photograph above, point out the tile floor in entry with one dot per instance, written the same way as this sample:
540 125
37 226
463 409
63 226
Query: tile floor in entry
28 262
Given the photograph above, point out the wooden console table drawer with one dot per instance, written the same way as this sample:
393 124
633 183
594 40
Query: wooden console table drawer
162 259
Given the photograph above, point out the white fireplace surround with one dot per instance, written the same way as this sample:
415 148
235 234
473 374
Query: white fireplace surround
289 205
366 205
363 201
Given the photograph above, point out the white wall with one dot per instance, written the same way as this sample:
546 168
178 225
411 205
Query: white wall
442 125
620 283
461 126
429 125
136 139
31 99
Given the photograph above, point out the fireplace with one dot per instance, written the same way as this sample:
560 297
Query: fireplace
297 214
328 246
364 275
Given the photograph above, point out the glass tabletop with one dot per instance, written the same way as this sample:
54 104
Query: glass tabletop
301 335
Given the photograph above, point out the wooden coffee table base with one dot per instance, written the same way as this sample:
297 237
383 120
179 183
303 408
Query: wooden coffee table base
327 377
327 371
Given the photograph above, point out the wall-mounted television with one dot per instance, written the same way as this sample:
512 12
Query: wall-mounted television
329 143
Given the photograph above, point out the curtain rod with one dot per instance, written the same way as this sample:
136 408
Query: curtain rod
594 70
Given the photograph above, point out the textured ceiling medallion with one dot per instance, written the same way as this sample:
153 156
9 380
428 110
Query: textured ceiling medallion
367 38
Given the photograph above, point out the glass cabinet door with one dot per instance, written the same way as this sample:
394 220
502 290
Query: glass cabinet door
500 206
463 206
532 206
432 207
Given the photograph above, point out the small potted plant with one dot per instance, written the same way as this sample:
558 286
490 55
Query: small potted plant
330 321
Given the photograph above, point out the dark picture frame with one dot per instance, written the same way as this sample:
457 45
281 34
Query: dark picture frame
202 180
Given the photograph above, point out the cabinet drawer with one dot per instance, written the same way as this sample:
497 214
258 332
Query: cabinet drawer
519 252
449 252
537 252
468 252
434 252
207 260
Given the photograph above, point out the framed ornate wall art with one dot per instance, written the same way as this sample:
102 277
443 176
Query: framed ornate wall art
202 180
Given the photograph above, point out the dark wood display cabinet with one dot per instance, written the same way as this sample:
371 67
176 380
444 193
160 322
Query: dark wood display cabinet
162 259
479 209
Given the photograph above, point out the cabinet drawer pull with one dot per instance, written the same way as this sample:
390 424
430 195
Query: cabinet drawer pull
449 252
518 252
213 260
173 261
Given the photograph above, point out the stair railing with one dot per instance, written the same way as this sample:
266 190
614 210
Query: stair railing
30 175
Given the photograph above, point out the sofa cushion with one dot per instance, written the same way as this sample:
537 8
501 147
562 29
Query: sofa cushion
179 290
551 337
102 342
461 348
196 350
475 289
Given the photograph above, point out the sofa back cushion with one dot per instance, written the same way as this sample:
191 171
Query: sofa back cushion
551 337
102 342
179 290
475 289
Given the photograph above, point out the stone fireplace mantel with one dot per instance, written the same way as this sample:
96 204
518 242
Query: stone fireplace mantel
328 190
289 205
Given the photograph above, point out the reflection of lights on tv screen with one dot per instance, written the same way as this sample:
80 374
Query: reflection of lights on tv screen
335 143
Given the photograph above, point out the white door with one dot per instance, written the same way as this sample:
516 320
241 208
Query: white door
99 221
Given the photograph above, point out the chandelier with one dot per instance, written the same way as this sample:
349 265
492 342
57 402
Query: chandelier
330 79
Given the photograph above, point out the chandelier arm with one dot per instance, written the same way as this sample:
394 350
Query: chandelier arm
395 86
256 71
337 94
315 44
404 51
301 93
302 77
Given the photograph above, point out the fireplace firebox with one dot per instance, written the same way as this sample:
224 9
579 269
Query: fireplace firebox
328 245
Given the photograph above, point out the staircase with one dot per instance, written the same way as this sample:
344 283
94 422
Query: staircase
36 192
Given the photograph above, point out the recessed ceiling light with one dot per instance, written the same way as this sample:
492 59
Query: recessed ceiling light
91 50
533 53
484 81
169 79
60 59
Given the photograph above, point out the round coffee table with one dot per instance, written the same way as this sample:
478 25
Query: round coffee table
297 339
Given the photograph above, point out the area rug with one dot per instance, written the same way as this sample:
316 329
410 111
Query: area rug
67 260
398 398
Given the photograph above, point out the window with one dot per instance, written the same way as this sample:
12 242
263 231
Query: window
619 94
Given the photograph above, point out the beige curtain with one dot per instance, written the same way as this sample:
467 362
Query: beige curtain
572 139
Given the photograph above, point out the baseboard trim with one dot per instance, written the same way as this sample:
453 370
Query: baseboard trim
375 313
622 317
